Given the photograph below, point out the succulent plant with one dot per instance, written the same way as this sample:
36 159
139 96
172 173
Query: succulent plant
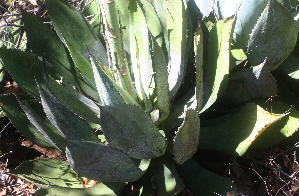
112 85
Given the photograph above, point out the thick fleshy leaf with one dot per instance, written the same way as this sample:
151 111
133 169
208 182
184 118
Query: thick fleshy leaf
81 105
205 6
216 73
49 172
152 21
247 84
290 67
106 89
43 38
247 17
226 8
233 134
166 176
129 129
99 162
177 33
140 54
69 21
282 129
187 137
273 37
14 112
198 50
31 66
100 189
71 125
163 97
203 182
49 132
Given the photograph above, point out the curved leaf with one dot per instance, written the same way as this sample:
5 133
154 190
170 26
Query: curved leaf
273 37
235 133
101 163
14 112
129 129
69 21
41 38
69 124
49 172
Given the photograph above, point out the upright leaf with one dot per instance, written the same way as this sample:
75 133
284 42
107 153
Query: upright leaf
187 137
216 73
106 89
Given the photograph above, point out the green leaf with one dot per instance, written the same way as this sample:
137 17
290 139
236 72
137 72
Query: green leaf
31 66
203 182
49 172
216 73
100 189
250 83
290 68
49 132
129 129
69 21
140 54
187 137
106 89
41 38
81 105
273 37
71 125
282 129
14 112
177 33
166 176
247 17
163 97
198 50
234 133
101 163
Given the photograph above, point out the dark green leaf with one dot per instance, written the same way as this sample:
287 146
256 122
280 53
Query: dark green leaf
101 163
273 37
71 125
187 137
130 129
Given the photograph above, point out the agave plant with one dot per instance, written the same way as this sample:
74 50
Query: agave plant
118 94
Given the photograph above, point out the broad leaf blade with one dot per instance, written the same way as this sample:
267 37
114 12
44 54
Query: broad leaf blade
69 21
41 38
216 73
71 125
49 172
101 163
130 129
225 135
273 37
187 137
